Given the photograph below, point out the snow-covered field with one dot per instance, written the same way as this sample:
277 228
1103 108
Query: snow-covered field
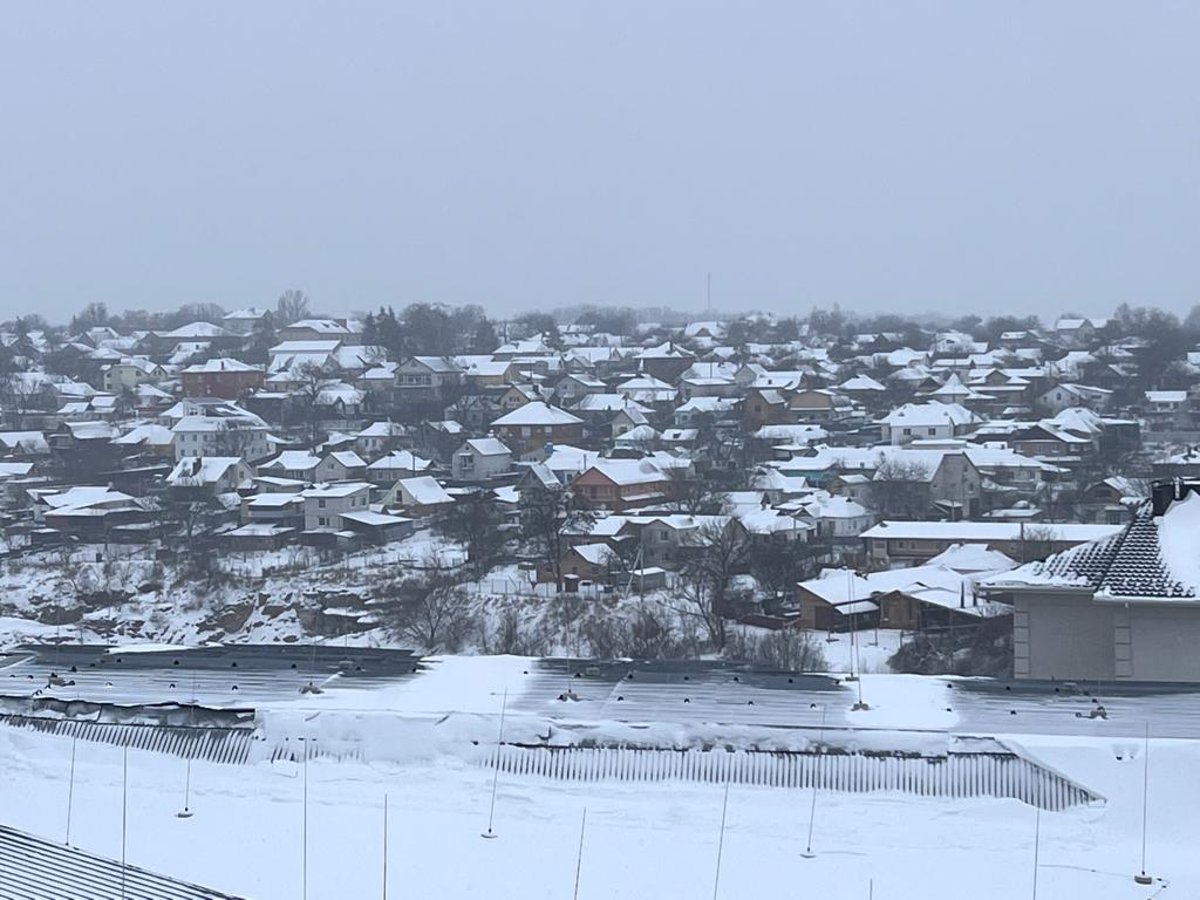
642 840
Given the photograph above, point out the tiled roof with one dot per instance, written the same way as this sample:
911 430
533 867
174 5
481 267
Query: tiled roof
1128 564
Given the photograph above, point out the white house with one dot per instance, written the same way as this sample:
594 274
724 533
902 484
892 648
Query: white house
481 459
418 496
209 475
342 465
324 504
921 421
395 465
245 437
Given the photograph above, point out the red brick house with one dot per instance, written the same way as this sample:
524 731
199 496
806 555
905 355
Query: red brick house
226 378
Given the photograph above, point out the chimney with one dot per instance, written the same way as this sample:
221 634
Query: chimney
1164 493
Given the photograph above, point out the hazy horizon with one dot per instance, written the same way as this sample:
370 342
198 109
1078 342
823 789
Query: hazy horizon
1018 158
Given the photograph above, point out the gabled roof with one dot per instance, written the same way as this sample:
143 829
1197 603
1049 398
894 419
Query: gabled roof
221 365
291 461
488 446
537 413
347 458
424 490
201 470
399 460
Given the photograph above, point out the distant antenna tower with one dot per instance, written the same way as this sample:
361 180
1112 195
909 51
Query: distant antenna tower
708 295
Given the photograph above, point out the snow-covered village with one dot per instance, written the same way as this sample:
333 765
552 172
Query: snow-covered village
610 563
549 451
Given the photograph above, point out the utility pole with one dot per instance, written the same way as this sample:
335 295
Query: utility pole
496 771
1142 877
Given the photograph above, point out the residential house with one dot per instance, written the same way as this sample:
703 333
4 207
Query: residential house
420 496
244 321
922 421
536 424
379 438
838 601
338 330
427 377
896 544
341 465
228 378
480 460
207 476
324 504
243 436
296 465
1075 334
1122 608
1065 396
131 372
620 484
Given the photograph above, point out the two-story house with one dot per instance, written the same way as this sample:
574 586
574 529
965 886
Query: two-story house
481 460
228 378
324 504
532 426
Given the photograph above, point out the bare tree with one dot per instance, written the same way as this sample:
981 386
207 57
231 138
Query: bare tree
430 610
789 649
291 307
900 489
311 379
548 518
474 522
706 582
693 493
23 393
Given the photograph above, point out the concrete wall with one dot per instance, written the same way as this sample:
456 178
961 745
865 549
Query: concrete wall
1163 642
1064 637
1073 638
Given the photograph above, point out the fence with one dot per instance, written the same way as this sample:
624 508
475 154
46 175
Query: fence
1003 774
220 745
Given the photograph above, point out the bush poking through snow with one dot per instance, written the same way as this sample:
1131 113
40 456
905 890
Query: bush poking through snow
789 649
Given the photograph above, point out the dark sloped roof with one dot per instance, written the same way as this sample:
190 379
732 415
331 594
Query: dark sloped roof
1128 564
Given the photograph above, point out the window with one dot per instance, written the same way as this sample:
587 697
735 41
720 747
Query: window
320 504
932 431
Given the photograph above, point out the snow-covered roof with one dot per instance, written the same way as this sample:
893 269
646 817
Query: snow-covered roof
347 458
973 559
988 531
929 415
291 461
145 435
341 489
629 471
488 446
222 364
537 413
399 460
198 470
194 330
424 490
1152 557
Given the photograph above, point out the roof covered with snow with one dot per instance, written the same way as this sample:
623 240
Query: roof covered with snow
1153 557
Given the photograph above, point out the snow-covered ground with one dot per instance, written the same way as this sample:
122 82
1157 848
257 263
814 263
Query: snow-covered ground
641 840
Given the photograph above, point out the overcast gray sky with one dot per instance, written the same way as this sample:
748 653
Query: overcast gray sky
905 156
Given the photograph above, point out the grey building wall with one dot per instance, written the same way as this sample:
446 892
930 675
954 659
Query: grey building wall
1072 637
1164 643
1062 636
